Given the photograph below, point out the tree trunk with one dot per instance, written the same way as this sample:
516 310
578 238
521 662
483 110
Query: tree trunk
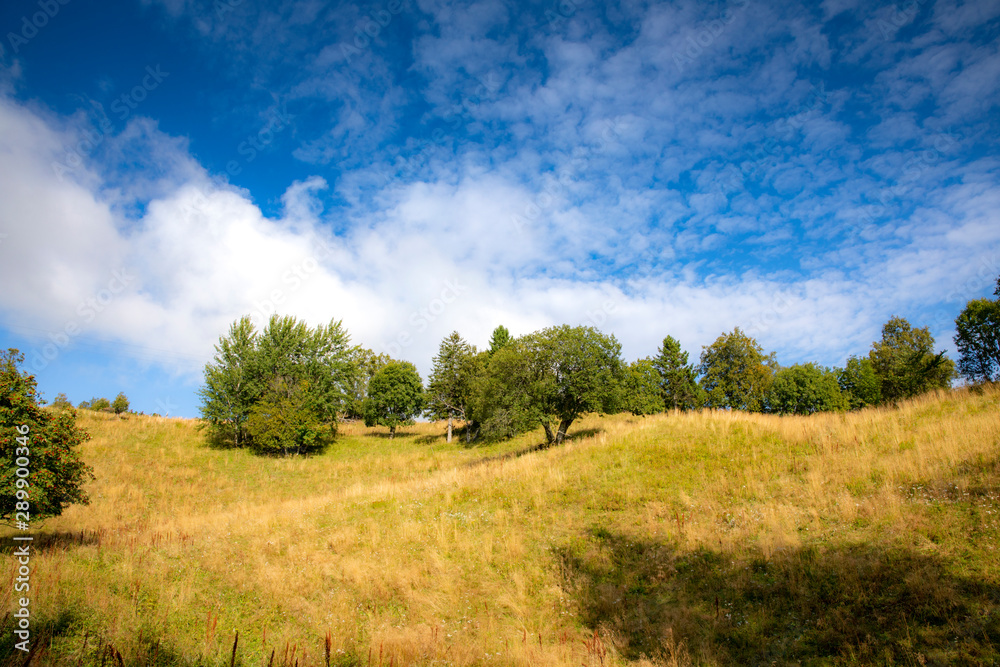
563 427
392 432
549 439
449 427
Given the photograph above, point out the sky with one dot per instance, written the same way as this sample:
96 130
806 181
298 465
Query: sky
803 171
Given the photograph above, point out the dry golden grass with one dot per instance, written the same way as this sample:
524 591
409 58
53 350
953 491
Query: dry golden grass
414 552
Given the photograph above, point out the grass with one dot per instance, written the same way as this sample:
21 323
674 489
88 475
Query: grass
711 538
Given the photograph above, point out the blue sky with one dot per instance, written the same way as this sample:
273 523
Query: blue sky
802 171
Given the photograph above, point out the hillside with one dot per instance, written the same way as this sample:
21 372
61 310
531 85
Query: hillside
709 538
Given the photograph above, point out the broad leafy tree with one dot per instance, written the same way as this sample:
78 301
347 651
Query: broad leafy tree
449 388
905 362
859 384
287 354
285 420
553 376
366 363
736 373
978 339
120 404
40 442
678 379
804 389
641 388
395 396
61 402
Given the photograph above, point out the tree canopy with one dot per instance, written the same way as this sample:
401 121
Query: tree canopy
449 388
289 369
905 362
395 396
978 339
804 389
679 387
736 373
40 442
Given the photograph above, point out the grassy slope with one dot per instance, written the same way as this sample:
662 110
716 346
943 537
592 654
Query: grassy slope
710 538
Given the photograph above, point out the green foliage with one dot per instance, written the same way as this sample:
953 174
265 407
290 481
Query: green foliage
859 384
679 387
275 366
501 338
803 389
641 388
56 472
120 404
736 373
449 388
61 402
978 339
552 375
98 404
500 404
285 420
905 363
366 363
395 396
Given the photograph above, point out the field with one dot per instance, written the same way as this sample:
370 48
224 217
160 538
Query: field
709 538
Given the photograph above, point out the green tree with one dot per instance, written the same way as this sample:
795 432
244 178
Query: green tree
120 404
61 402
366 363
859 383
803 389
641 388
555 375
978 339
678 379
100 404
395 396
501 338
41 442
84 405
449 388
287 353
285 420
905 362
736 373
233 383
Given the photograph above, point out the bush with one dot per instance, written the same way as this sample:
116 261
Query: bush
43 440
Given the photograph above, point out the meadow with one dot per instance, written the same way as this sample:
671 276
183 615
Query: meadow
705 538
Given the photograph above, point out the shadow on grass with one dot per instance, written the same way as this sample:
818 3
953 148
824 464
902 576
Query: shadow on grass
585 433
42 542
840 605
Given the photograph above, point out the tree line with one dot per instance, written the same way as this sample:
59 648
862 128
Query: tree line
283 389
